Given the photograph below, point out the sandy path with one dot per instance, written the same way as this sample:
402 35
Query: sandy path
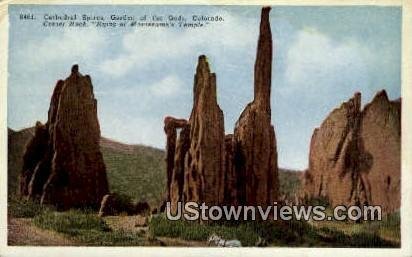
21 231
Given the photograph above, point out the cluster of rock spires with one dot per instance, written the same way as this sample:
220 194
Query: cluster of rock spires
62 164
355 155
204 164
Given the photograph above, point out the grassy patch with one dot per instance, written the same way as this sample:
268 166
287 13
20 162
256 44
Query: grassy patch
87 228
384 233
248 233
17 208
274 233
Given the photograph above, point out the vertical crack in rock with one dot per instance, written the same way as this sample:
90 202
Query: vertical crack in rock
355 155
333 153
70 171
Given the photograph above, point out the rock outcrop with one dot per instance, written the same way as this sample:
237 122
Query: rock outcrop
255 142
355 155
35 151
333 154
171 125
115 204
231 179
195 161
69 170
204 163
381 139
178 176
216 169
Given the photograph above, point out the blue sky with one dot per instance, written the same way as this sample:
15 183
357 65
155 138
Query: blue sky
322 55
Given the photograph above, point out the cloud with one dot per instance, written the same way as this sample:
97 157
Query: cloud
71 45
168 86
315 61
145 45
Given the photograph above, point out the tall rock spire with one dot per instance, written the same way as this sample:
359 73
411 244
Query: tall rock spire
233 169
255 153
263 64
204 171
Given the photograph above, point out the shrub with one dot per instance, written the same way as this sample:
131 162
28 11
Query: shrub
72 222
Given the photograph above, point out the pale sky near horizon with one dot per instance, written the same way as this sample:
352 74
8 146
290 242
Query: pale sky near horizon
322 56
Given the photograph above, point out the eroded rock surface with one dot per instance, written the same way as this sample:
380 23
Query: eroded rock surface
381 139
70 172
171 125
178 176
255 141
239 168
355 155
204 163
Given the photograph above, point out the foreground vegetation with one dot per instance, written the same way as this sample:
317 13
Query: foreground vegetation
86 228
277 233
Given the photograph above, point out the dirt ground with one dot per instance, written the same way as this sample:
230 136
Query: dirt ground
21 231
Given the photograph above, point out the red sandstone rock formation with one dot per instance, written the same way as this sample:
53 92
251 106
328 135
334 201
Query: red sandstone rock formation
178 176
175 158
35 152
170 127
381 139
355 155
204 164
231 180
196 162
71 172
255 142
333 154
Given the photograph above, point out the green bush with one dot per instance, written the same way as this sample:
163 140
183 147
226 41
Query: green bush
72 222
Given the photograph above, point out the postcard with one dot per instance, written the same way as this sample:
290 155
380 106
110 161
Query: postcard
218 128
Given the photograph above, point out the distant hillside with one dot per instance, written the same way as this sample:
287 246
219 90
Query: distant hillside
16 144
289 181
135 170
